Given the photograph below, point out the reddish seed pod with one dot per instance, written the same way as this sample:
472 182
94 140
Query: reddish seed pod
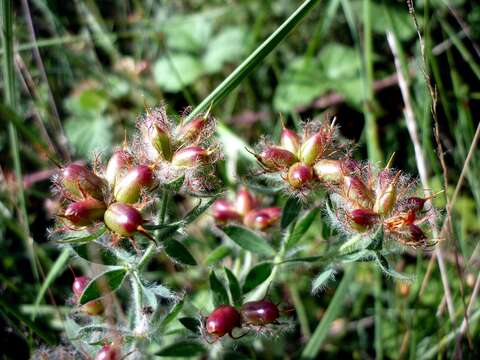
80 181
245 201
416 234
262 218
123 219
223 320
355 190
415 204
275 158
223 211
260 312
362 219
190 157
289 140
108 352
85 212
191 131
129 188
118 163
311 149
299 175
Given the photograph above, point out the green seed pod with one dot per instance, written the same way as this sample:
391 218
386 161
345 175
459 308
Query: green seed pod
80 181
120 161
311 149
123 219
160 140
386 194
128 189
289 140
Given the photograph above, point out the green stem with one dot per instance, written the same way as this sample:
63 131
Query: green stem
11 101
137 299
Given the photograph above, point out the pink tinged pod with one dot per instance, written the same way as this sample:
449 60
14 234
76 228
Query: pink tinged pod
223 211
311 149
262 218
275 158
123 219
190 157
362 219
328 171
108 352
223 320
120 161
289 140
260 312
85 212
299 175
415 204
386 194
355 190
128 189
245 201
80 181
79 284
191 131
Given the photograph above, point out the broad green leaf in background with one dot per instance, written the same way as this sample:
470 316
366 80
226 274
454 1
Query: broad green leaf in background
290 211
217 254
110 279
177 70
89 134
178 252
248 240
301 227
184 348
257 275
226 47
219 294
234 287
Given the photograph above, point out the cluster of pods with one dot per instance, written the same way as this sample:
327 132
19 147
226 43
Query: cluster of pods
251 315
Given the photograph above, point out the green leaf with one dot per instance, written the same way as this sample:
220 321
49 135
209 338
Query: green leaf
182 348
389 271
189 32
320 280
219 294
234 287
175 184
255 58
78 237
172 73
52 275
248 240
257 275
109 280
217 254
178 252
290 211
226 47
96 253
173 314
301 227
191 323
198 210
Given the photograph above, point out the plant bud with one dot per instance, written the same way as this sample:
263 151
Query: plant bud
79 284
119 162
245 201
160 140
92 308
262 218
355 190
311 149
108 352
190 157
275 158
128 189
85 212
362 219
386 193
289 140
223 320
123 219
299 174
223 211
191 131
80 181
260 312
412 203
328 171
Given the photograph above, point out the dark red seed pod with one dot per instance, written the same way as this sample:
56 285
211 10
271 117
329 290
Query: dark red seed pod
260 312
363 218
108 352
299 175
223 320
223 211
123 219
80 181
276 158
415 204
245 201
85 212
416 235
129 188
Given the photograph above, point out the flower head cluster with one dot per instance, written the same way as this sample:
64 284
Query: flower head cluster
365 198
184 150
246 209
294 161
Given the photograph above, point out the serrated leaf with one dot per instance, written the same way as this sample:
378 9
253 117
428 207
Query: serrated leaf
217 254
191 323
234 287
248 240
290 211
96 253
219 294
182 348
178 252
301 227
256 276
321 279
107 281
175 71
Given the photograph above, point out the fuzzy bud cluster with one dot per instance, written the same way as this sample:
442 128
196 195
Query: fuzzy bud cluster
245 210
